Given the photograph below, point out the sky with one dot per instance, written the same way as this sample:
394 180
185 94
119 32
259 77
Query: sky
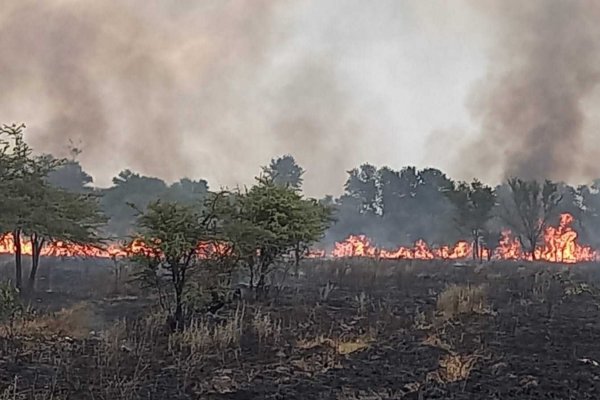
214 89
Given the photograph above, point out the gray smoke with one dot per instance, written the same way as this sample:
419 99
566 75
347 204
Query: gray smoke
530 106
198 88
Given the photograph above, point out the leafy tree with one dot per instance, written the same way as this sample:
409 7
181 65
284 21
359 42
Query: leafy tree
269 222
172 234
60 216
71 176
187 191
128 189
527 208
35 209
21 174
589 198
363 187
285 171
474 204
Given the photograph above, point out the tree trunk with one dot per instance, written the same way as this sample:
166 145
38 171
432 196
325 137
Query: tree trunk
533 241
178 310
476 255
18 259
297 260
36 249
251 268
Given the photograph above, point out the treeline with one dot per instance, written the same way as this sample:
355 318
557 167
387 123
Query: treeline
392 207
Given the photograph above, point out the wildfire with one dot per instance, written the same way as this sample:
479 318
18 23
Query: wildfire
62 249
558 244
360 246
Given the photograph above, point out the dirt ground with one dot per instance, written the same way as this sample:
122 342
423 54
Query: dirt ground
353 329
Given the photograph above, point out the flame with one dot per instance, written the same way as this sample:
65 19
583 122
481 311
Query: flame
360 246
135 247
559 245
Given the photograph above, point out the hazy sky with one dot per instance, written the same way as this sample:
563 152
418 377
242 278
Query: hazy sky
213 89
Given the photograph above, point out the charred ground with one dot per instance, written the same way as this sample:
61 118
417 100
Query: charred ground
345 329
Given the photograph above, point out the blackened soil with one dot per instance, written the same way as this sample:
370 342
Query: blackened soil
536 337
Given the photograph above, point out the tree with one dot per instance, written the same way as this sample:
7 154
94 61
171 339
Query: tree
34 209
187 191
129 188
474 203
362 185
58 215
308 226
268 222
21 174
70 176
590 211
284 171
171 234
527 209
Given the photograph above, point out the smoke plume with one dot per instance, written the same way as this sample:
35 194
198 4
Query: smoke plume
530 106
207 89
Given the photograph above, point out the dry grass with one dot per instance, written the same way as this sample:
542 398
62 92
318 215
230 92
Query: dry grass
75 322
342 347
265 327
461 299
202 336
454 368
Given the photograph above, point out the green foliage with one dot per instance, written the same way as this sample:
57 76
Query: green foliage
269 222
171 233
33 207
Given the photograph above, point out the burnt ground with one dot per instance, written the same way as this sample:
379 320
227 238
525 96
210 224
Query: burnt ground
382 332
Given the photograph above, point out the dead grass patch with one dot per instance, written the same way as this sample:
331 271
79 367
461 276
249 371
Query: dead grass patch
75 322
341 346
454 368
203 337
437 342
462 299
265 327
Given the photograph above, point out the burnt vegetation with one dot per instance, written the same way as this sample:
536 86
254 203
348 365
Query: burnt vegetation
218 297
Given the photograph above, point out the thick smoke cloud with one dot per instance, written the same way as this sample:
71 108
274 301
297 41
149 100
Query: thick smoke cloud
530 106
207 89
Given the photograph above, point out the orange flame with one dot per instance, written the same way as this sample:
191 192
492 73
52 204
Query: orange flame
135 247
559 245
